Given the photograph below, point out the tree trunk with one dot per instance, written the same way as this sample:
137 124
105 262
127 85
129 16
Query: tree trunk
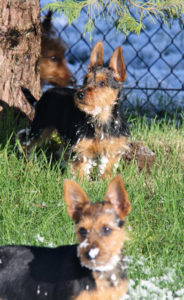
20 37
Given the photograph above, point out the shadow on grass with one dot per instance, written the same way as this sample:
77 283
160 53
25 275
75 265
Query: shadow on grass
12 119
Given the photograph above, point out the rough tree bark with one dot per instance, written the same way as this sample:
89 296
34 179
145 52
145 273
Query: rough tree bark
20 38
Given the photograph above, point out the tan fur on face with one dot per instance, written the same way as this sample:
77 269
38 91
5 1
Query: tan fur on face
95 217
98 101
55 72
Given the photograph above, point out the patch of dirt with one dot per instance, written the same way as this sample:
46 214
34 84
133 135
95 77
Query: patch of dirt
144 157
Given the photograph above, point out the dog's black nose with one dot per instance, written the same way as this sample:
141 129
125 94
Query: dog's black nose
80 95
73 80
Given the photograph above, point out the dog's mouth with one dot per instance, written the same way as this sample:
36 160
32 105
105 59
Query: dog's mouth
92 259
98 264
88 107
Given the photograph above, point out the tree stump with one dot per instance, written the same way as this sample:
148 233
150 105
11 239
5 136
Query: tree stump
20 40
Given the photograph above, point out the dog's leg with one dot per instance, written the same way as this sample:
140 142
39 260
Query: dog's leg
108 165
28 140
82 167
84 159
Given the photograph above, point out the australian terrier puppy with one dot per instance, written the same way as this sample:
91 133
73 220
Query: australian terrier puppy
53 67
91 270
89 119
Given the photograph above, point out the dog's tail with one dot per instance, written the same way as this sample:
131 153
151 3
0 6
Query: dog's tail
30 98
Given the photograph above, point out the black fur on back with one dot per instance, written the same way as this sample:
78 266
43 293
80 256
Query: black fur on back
56 108
30 273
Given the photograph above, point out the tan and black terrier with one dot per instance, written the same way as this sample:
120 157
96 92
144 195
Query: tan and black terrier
89 119
91 270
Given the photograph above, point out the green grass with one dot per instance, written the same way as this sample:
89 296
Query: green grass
32 210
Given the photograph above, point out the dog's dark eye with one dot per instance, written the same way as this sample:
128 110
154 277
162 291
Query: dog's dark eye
106 230
83 232
101 83
54 58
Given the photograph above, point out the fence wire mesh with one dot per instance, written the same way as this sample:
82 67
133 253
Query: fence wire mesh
154 60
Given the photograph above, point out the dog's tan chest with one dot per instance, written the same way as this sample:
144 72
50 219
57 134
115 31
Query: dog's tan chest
104 291
102 151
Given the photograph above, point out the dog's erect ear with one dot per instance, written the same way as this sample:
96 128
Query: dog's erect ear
117 64
96 57
74 197
46 24
118 197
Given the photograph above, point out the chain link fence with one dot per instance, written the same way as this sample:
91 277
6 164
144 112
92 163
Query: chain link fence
154 60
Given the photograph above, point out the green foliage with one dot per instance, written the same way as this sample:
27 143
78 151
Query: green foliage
119 11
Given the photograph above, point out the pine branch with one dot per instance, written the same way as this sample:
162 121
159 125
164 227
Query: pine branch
120 12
